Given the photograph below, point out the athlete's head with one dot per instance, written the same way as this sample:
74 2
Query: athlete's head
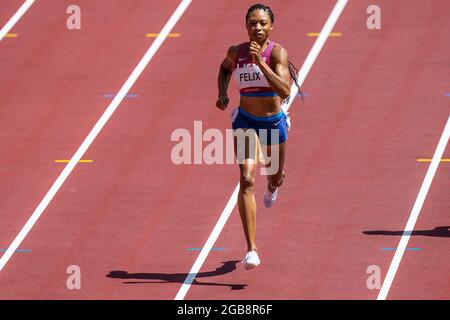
259 21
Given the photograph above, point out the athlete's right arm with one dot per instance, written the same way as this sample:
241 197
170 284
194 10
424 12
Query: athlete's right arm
225 72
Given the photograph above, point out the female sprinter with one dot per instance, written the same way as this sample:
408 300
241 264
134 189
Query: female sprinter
263 75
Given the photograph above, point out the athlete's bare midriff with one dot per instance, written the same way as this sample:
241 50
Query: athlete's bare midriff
261 106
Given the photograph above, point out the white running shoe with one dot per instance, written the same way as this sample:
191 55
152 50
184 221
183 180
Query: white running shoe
251 260
270 198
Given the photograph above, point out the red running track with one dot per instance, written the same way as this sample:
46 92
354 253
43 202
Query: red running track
375 104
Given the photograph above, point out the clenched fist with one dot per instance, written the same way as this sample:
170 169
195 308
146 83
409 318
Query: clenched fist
222 102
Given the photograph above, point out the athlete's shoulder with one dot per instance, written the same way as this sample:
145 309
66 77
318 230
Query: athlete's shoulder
279 49
279 53
234 49
233 52
230 58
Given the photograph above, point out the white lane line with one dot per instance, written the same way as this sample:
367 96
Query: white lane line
96 130
16 17
415 212
304 70
315 50
208 245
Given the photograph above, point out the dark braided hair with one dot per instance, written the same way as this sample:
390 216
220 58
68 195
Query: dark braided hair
293 71
260 6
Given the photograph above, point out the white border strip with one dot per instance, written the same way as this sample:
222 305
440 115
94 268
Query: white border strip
306 67
415 212
16 17
96 130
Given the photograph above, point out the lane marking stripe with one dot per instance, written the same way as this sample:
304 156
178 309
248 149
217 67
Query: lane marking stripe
410 249
199 249
79 161
11 35
332 34
415 212
18 250
16 17
208 245
315 50
304 70
95 131
112 95
429 160
170 35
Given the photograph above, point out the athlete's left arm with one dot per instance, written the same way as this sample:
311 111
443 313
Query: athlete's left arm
279 79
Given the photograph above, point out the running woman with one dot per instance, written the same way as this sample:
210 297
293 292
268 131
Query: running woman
263 73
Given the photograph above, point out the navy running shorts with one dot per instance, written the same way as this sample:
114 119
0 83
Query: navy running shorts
267 128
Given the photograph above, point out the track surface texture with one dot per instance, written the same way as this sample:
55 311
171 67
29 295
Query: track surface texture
376 102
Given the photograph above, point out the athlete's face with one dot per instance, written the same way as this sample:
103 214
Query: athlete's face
259 25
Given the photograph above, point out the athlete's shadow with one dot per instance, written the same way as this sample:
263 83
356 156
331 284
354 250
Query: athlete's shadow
227 267
443 231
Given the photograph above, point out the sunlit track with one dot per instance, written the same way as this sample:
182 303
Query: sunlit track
418 204
15 18
304 70
362 213
95 131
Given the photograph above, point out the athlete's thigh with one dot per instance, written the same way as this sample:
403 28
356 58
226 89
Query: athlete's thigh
246 145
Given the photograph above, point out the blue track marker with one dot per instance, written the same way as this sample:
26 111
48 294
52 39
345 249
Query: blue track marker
447 94
18 250
112 95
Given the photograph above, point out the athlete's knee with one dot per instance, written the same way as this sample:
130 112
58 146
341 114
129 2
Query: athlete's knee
248 178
